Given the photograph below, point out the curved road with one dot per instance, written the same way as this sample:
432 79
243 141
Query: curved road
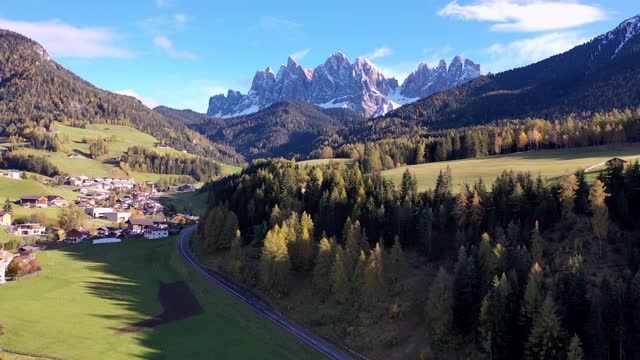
255 303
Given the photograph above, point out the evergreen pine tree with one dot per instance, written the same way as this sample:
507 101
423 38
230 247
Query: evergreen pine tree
340 285
536 244
439 309
547 339
397 263
575 349
322 275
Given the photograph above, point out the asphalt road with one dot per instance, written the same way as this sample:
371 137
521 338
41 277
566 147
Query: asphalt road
255 303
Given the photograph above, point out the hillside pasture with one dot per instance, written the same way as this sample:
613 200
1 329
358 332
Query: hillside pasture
549 163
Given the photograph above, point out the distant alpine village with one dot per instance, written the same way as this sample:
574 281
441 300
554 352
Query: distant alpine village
124 208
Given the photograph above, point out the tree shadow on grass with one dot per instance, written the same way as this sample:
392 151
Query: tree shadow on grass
138 279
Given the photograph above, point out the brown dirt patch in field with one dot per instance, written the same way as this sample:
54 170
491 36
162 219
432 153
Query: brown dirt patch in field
178 303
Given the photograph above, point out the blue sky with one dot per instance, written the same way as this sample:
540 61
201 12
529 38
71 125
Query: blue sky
180 52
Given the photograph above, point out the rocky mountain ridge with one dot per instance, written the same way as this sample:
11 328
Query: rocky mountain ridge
338 82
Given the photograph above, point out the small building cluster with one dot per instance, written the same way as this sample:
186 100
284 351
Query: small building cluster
11 174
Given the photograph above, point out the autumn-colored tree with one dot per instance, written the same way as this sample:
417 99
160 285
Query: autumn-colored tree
374 275
340 285
567 193
274 262
600 213
322 275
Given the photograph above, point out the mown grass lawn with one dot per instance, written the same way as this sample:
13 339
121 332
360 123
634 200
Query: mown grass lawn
549 163
87 293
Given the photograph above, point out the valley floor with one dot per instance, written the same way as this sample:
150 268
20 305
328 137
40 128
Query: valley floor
88 293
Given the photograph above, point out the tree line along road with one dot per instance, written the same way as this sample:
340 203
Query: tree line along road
255 303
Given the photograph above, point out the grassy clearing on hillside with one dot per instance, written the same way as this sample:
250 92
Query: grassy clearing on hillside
105 166
549 163
348 162
87 293
196 202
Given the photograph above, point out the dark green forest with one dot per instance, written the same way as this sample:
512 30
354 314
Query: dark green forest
528 268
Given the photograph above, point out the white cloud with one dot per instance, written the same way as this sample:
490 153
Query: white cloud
379 53
64 40
181 18
300 54
147 101
272 22
523 52
166 44
527 15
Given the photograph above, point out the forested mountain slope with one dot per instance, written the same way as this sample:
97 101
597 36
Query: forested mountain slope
35 90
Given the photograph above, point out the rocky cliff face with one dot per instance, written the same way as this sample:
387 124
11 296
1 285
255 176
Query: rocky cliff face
359 86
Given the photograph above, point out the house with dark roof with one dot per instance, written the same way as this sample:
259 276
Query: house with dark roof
77 234
616 161
56 201
39 201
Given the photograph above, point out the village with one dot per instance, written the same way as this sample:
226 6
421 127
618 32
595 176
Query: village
123 208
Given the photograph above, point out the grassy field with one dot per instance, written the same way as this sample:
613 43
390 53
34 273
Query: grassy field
196 202
87 293
105 166
314 162
15 189
549 163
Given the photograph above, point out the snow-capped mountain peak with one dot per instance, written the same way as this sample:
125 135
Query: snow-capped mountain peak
338 82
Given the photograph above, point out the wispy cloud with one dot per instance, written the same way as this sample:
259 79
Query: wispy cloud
65 40
147 101
272 22
300 54
379 53
166 44
163 3
164 24
523 52
527 15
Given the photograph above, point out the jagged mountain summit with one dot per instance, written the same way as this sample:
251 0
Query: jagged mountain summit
359 86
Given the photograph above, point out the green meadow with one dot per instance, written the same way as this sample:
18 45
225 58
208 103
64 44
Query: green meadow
87 293
548 163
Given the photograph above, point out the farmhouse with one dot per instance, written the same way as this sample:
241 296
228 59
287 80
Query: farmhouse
77 234
28 252
154 232
34 201
12 174
56 201
30 229
616 161
138 226
5 218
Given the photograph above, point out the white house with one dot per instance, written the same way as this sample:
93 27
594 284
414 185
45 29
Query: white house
5 218
31 229
5 259
12 174
98 212
116 216
154 232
